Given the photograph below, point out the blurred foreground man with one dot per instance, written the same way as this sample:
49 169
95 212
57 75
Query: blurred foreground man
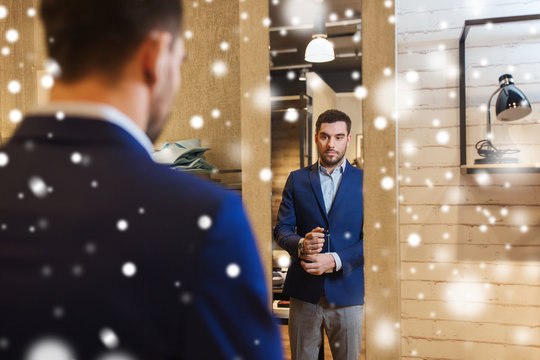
105 254
320 224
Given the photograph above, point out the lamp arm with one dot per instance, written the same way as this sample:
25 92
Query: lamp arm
488 116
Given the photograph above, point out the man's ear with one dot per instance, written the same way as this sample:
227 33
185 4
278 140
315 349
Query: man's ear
155 49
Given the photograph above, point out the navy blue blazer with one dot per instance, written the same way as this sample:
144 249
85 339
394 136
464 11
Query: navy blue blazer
302 210
68 228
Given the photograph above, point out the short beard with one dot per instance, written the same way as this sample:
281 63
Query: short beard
332 163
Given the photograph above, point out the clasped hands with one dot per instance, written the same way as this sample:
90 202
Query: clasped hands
315 263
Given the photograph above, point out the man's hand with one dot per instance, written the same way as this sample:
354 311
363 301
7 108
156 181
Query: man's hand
314 241
319 264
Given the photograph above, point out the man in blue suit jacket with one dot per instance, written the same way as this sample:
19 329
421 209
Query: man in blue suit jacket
320 223
105 254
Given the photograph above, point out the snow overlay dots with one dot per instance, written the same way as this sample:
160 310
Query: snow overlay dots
60 115
76 157
122 225
38 186
15 116
219 68
47 81
58 312
355 75
233 270
224 46
12 35
109 338
141 211
291 115
360 92
46 271
3 12
412 76
265 175
49 348
284 261
523 228
188 34
387 183
380 123
129 269
14 87
4 159
31 12
204 222
215 113
196 122
94 184
443 137
5 51
414 239
4 343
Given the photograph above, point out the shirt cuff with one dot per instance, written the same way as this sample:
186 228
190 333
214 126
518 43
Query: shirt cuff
337 259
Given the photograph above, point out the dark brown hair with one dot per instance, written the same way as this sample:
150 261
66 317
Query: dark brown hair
332 116
101 35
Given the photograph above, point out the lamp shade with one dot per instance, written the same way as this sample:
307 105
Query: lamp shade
512 104
319 50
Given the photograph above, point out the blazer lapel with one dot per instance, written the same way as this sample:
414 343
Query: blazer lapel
316 186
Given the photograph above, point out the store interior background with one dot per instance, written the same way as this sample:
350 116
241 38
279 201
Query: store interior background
471 288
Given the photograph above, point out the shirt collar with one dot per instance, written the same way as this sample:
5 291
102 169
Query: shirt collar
97 111
340 167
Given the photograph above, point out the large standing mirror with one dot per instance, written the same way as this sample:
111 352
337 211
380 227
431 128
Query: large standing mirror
300 92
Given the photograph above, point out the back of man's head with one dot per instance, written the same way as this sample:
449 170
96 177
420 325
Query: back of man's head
87 36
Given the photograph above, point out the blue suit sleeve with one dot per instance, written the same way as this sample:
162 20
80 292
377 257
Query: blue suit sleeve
352 256
285 230
232 297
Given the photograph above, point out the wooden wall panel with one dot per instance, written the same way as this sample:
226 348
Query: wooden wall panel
471 288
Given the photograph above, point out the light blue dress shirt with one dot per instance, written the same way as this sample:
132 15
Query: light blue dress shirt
329 186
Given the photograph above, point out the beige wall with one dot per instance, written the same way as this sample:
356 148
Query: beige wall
324 98
352 106
466 293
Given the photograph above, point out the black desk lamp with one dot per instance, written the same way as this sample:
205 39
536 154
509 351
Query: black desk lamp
511 105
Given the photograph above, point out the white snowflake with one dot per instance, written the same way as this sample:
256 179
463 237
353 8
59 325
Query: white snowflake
204 222
414 239
233 270
109 338
15 115
4 159
38 186
129 269
76 158
360 92
196 122
122 225
265 175
14 87
49 348
380 123
12 35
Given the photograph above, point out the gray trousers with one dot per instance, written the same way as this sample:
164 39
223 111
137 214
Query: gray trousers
343 325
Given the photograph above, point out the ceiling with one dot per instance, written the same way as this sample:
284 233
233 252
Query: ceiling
291 30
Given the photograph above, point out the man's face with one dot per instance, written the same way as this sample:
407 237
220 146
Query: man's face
332 141
166 88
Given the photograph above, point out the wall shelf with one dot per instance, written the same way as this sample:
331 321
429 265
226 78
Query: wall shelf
501 169
485 168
